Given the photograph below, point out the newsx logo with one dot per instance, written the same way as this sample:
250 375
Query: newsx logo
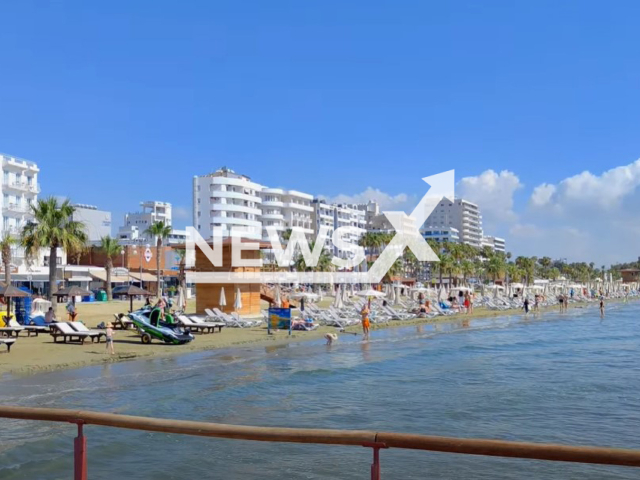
406 235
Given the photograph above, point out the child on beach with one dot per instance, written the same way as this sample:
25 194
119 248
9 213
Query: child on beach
109 340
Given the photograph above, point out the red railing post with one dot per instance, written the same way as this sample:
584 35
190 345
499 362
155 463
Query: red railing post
80 455
375 467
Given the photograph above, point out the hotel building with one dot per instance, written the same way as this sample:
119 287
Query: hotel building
461 215
136 224
496 243
19 190
229 202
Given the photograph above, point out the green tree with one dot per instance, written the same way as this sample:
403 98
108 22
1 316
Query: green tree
52 227
161 232
496 267
6 244
109 246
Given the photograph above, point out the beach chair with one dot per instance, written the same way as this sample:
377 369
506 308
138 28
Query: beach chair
121 322
200 325
35 329
64 330
82 328
213 325
211 315
8 342
12 328
395 315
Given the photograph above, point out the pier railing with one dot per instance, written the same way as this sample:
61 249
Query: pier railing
360 438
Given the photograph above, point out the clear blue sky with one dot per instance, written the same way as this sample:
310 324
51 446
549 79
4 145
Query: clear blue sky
124 101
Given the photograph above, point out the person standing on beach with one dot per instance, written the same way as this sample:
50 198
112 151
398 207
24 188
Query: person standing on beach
110 339
467 302
526 305
366 324
561 301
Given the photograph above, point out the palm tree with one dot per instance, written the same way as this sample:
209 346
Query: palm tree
52 227
110 248
6 243
161 232
496 267
324 261
467 268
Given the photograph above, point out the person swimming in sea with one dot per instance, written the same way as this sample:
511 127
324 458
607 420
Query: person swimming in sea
601 307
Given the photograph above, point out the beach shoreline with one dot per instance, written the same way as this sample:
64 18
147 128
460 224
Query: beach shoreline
33 355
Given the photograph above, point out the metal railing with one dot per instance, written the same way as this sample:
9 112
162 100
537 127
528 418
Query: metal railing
360 438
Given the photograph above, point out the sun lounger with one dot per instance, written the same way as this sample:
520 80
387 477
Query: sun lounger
196 324
12 329
82 328
64 330
121 322
8 342
35 329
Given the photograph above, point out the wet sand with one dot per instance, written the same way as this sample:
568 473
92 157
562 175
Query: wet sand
39 354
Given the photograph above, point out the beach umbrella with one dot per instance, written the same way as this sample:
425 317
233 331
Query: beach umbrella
338 303
396 298
182 299
238 302
9 292
277 297
223 299
73 292
131 291
345 295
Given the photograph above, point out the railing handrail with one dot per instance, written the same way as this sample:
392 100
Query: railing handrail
496 448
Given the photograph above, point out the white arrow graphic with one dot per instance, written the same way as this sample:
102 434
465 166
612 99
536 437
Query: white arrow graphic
407 227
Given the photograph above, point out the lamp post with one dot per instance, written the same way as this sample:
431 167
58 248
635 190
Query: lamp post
122 253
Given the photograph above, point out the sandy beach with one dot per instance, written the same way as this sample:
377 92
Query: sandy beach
40 354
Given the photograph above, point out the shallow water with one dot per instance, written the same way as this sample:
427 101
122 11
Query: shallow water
570 379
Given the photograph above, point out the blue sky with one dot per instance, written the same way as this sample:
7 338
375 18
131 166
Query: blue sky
120 101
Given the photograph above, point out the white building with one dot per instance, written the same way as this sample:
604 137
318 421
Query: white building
229 202
496 243
350 218
285 209
442 234
20 189
136 223
461 215
97 222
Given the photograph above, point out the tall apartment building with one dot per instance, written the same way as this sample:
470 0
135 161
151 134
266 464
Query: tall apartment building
19 190
284 209
136 223
351 218
227 201
460 214
97 222
496 243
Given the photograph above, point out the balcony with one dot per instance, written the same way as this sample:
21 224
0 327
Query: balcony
21 187
18 164
16 209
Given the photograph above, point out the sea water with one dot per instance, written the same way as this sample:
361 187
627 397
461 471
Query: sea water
570 378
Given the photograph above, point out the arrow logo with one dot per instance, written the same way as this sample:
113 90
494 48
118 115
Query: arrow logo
407 227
